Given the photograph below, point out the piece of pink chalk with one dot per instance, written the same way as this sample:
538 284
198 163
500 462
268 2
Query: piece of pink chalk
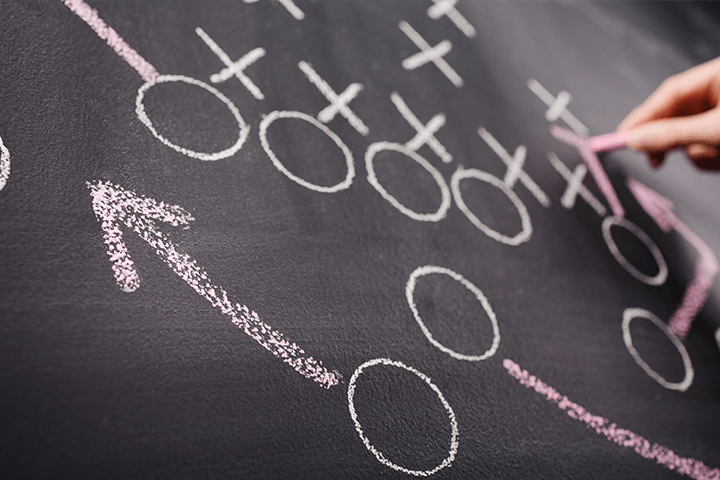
608 141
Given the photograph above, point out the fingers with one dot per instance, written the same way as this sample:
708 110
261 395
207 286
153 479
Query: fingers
672 98
656 159
665 134
690 92
705 157
663 103
682 113
710 164
700 151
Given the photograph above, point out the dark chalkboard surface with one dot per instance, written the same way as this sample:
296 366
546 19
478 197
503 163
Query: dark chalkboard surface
323 239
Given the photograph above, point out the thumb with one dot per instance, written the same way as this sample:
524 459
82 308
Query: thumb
669 133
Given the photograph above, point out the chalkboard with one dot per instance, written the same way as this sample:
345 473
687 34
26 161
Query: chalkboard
359 239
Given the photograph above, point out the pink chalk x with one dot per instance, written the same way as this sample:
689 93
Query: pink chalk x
609 141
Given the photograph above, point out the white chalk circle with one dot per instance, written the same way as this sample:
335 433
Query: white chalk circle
243 128
525 232
631 313
662 274
350 163
453 422
372 178
4 164
409 294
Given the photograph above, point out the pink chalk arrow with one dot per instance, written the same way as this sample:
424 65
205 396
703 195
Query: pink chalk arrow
115 206
658 207
660 210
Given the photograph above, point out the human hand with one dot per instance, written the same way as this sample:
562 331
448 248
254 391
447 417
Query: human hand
682 113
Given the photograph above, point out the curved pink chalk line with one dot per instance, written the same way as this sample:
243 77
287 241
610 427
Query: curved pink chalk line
594 165
695 469
660 210
698 291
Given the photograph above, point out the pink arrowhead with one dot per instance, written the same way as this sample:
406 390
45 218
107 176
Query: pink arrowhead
114 206
658 207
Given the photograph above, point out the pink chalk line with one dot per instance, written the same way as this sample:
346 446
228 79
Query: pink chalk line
594 165
91 17
113 205
662 455
660 210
